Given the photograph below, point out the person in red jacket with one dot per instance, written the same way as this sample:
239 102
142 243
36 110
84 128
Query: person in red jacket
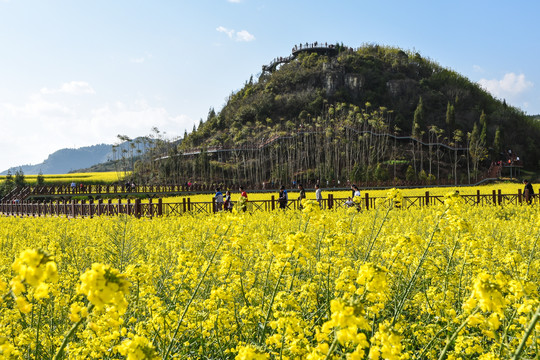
243 199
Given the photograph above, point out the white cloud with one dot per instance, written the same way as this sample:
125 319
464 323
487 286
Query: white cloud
137 60
141 59
230 33
510 85
34 129
242 35
235 1
73 87
478 68
36 107
135 119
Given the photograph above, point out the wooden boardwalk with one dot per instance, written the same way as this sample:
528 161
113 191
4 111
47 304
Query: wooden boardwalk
139 209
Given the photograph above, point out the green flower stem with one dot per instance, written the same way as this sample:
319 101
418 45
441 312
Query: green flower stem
372 241
190 301
455 334
60 352
272 301
416 271
528 332
332 347
37 330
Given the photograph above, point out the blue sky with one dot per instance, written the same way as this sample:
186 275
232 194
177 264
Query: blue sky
75 73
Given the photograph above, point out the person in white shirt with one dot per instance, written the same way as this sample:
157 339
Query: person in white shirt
318 195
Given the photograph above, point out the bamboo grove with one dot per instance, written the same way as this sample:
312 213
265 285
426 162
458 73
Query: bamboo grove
345 143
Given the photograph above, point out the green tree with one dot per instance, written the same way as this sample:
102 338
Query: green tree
477 149
7 185
40 180
410 175
381 173
19 178
497 142
9 177
483 133
450 117
456 140
418 121
422 176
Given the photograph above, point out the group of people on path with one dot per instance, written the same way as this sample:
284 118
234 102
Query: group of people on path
355 199
225 203
283 197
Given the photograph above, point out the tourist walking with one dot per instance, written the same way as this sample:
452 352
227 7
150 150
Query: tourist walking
318 195
356 196
219 199
243 199
227 204
283 198
301 196
528 191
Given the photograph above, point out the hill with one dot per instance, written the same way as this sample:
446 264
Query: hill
337 113
95 158
66 160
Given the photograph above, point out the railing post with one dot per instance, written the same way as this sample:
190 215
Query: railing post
184 204
214 205
330 201
188 204
494 197
109 204
150 207
520 198
273 203
128 206
73 208
99 206
91 208
138 208
427 198
367 200
477 197
500 197
160 207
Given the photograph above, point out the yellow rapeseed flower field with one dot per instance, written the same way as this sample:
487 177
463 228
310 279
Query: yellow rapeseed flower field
445 282
87 178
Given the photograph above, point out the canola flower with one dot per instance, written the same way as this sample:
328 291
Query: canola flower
445 282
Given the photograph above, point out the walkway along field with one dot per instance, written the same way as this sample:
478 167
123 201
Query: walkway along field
75 208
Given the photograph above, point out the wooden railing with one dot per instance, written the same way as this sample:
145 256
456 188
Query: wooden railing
54 192
90 208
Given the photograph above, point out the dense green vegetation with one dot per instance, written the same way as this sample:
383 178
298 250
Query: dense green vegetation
319 114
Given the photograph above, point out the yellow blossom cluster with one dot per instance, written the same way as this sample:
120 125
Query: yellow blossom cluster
451 281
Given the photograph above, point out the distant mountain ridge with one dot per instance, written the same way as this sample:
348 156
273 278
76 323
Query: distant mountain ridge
66 160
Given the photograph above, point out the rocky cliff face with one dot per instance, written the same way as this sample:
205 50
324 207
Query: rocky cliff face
336 78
